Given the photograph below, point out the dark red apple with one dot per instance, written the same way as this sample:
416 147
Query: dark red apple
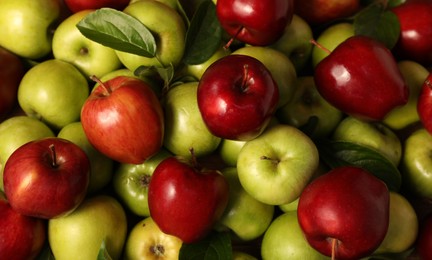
255 22
345 213
185 200
79 5
123 119
415 40
21 237
46 178
423 246
237 97
361 78
424 104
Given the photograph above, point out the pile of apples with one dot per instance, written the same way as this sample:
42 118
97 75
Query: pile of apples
228 129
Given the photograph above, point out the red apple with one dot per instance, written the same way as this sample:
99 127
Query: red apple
424 240
424 104
361 78
345 213
46 178
415 40
79 5
11 72
184 200
123 119
255 22
237 97
21 237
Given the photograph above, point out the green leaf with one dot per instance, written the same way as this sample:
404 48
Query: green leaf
103 252
379 23
204 35
342 153
216 246
118 30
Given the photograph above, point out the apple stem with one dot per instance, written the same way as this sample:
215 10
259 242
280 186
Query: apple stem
105 87
274 161
193 158
53 155
320 46
334 245
245 76
228 44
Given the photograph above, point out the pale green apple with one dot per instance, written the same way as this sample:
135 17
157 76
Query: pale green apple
90 57
80 234
168 28
101 167
374 135
54 92
26 26
330 38
229 150
245 216
295 42
307 103
239 255
16 131
184 126
414 74
284 239
147 241
280 66
197 70
281 162
292 206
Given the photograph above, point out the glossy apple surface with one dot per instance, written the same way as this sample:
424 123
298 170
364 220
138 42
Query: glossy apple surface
79 5
424 103
318 12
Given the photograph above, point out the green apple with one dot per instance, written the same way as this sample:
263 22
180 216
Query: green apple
295 42
229 150
281 162
168 28
239 255
101 167
284 239
414 74
292 206
90 57
307 103
280 66
374 135
26 26
330 38
196 70
130 183
184 126
245 216
403 226
54 92
147 241
81 233
16 131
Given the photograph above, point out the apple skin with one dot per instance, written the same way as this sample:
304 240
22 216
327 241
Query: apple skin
26 26
424 103
282 166
135 127
186 201
197 70
229 150
345 213
146 241
11 73
424 239
76 6
239 105
54 92
91 58
22 237
255 22
46 178
98 218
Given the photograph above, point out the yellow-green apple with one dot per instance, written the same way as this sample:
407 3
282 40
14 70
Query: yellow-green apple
54 92
98 219
15 132
240 255
80 5
185 128
280 67
167 26
130 183
146 241
90 57
374 135
281 161
240 105
101 167
186 200
229 150
306 104
123 119
246 217
284 239
27 26
292 206
22 237
46 178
